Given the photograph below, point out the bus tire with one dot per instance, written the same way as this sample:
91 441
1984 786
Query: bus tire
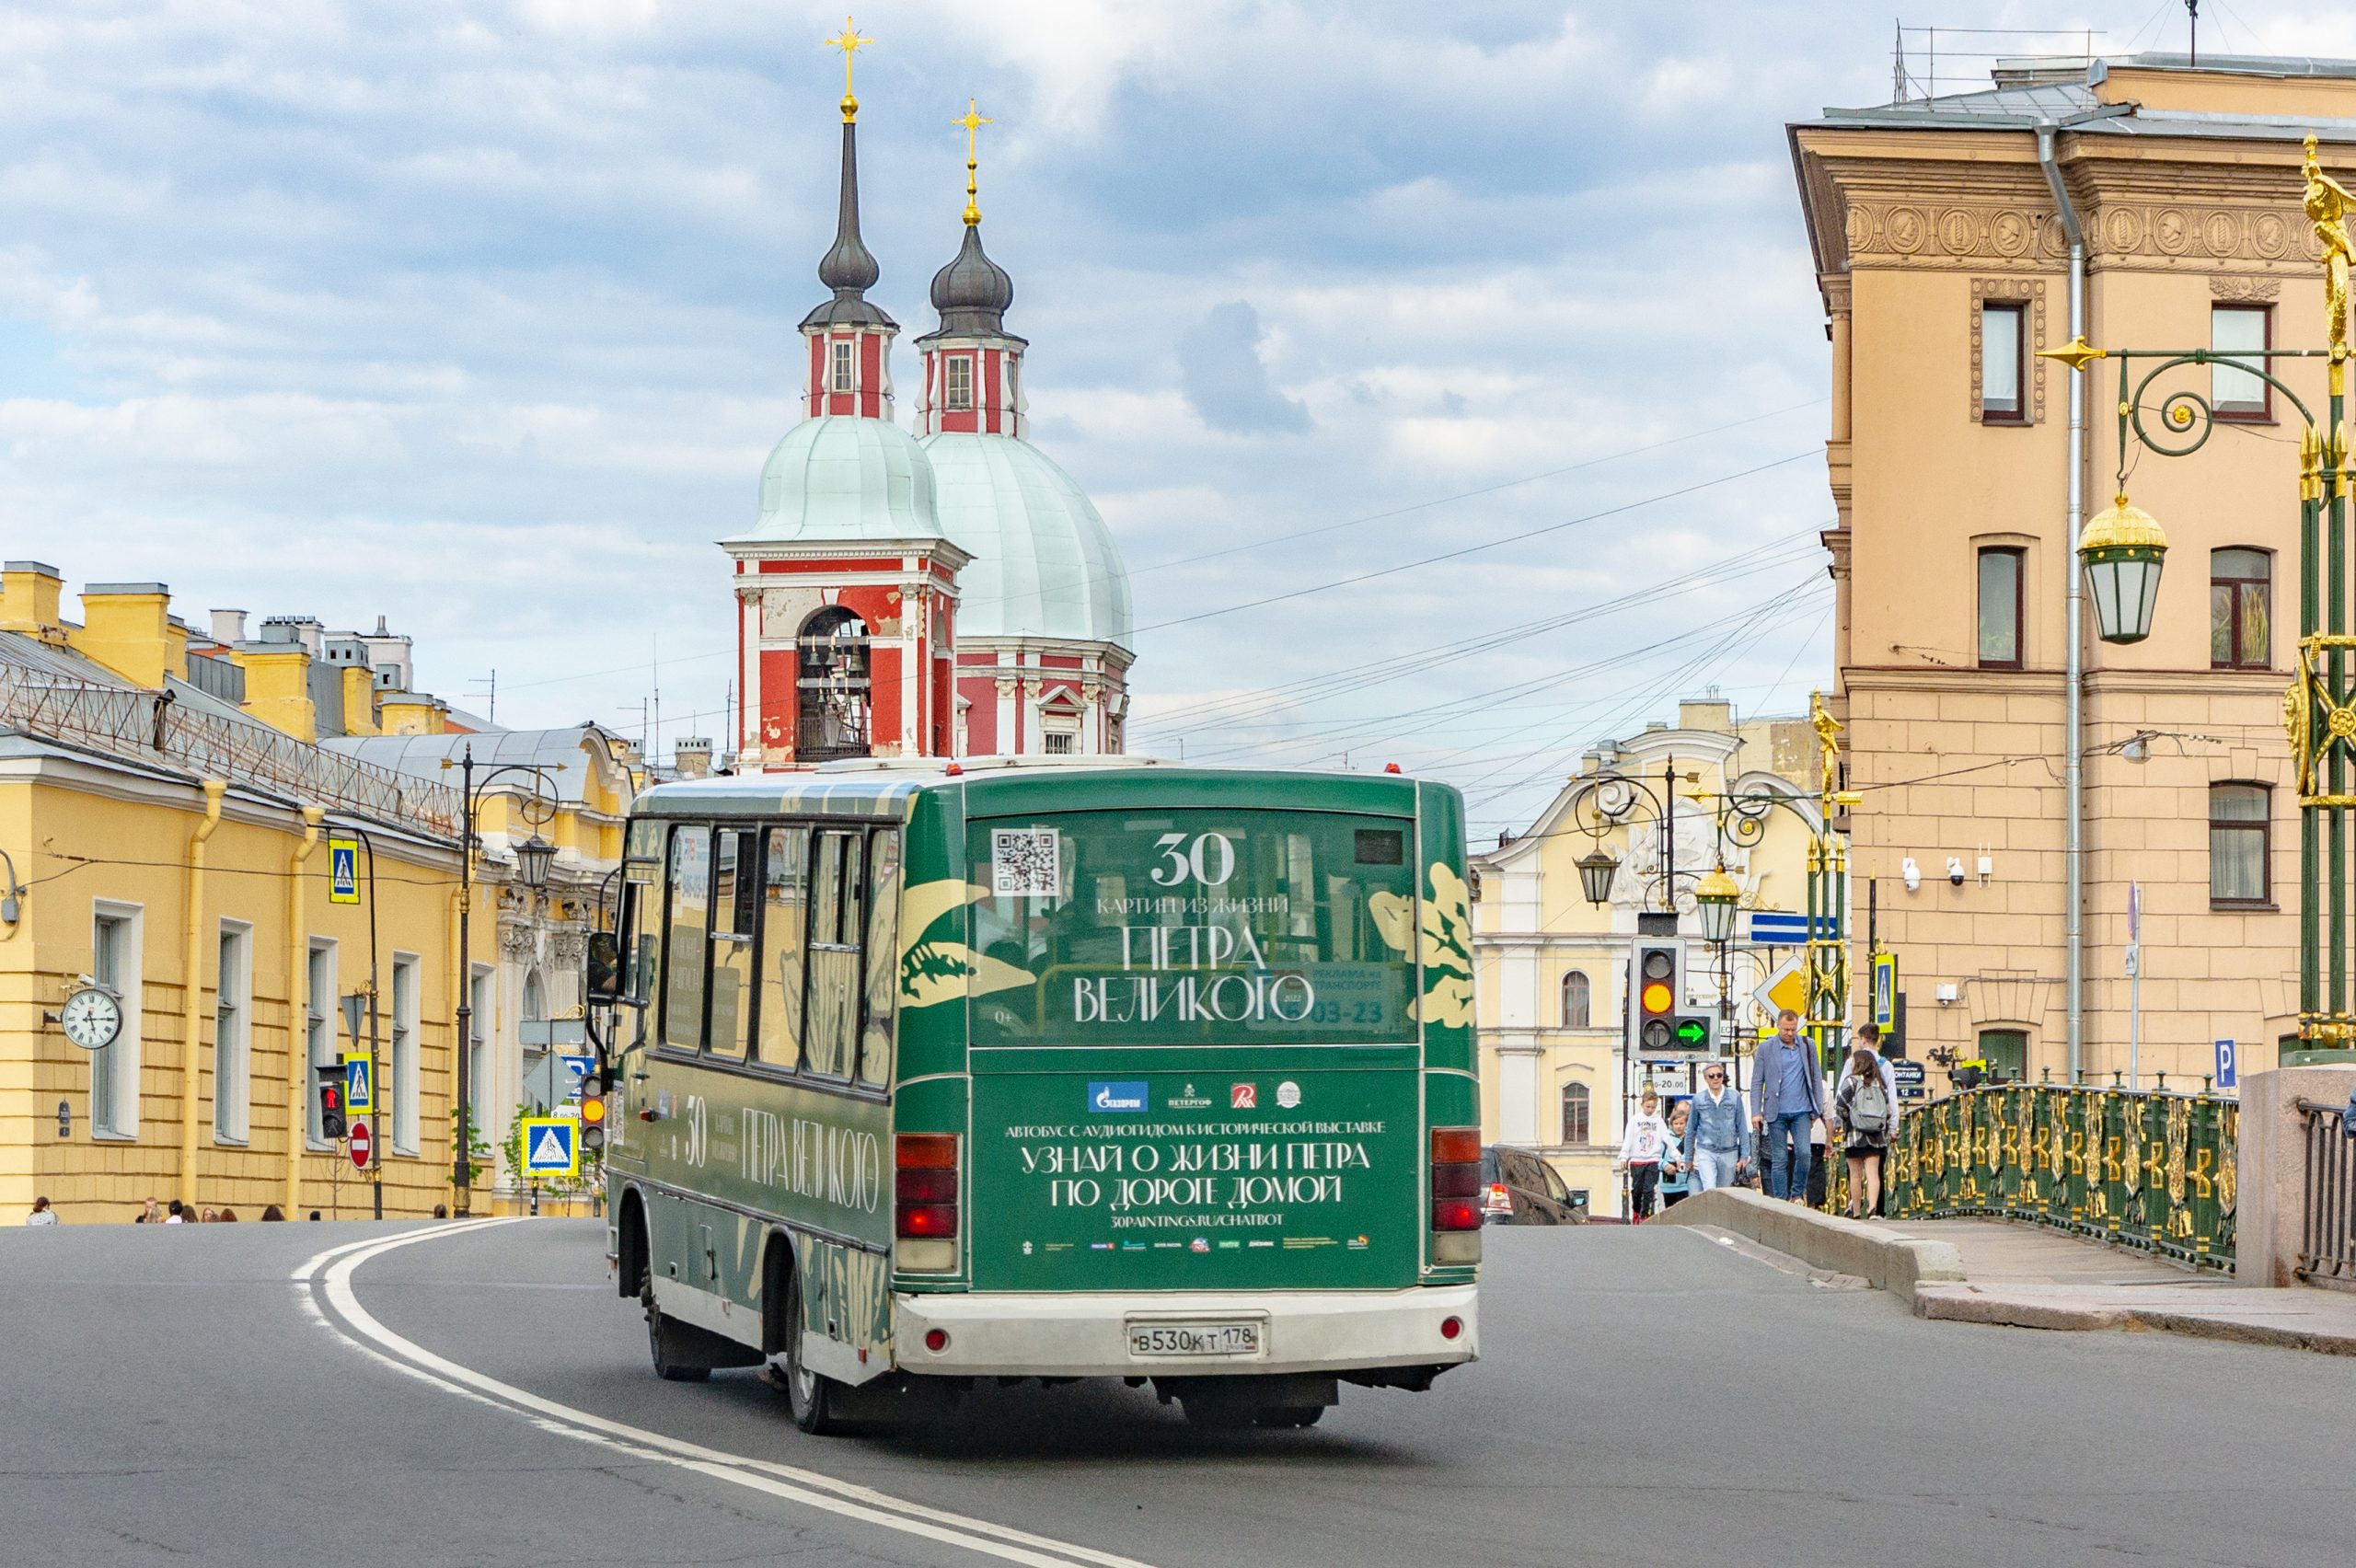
673 1346
810 1396
1281 1416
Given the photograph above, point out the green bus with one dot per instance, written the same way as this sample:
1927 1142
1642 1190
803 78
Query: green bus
932 1073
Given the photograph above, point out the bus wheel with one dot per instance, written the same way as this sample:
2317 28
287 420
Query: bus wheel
809 1395
671 1345
1288 1415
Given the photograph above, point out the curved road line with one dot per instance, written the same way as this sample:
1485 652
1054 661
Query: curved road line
324 1289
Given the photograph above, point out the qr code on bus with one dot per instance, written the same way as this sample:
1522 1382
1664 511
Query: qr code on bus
1026 862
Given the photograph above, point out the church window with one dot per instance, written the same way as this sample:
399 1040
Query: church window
1060 743
1574 1000
1575 1105
957 382
842 366
831 686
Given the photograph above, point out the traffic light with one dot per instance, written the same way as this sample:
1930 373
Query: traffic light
1656 989
593 1114
330 1102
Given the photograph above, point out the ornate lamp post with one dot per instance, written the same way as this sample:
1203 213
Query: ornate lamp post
2122 549
533 857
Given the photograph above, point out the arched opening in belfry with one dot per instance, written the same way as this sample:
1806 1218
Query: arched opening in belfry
832 686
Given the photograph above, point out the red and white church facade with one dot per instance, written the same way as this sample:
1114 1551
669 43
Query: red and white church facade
946 593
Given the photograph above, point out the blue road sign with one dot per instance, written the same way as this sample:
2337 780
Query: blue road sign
551 1146
1884 989
2227 1076
359 1086
1776 928
343 870
576 1071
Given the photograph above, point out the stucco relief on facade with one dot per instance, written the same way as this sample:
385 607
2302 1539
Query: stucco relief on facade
2032 291
2235 286
2164 234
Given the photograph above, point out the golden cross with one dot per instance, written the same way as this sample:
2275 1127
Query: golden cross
848 41
972 120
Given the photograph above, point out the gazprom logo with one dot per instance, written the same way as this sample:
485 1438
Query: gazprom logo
1110 1099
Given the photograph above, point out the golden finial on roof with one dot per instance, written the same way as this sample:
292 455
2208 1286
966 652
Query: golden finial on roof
849 41
972 120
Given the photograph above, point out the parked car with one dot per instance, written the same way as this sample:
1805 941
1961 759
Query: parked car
1519 1188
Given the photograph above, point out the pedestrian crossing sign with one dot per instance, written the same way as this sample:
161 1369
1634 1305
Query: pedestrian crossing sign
343 870
358 1083
551 1146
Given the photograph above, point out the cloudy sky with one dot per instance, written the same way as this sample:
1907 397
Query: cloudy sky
1453 377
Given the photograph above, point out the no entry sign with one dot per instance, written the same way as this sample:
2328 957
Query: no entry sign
360 1144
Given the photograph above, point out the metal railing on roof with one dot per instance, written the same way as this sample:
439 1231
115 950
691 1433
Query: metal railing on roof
1970 57
149 726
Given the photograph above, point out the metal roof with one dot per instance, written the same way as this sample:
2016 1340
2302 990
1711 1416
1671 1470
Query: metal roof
566 754
2025 104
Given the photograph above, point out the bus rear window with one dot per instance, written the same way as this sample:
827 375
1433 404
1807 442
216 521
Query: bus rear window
1194 926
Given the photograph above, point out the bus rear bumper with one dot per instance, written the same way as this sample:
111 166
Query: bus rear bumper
1087 1335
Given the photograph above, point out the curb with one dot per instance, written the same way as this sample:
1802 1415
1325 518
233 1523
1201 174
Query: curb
1888 1260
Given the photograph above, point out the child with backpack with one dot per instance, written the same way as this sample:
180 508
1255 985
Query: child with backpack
1865 1108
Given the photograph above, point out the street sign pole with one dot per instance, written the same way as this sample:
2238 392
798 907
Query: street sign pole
2134 980
375 1081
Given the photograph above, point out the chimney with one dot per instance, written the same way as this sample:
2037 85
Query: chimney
29 602
693 758
228 627
278 686
411 713
124 627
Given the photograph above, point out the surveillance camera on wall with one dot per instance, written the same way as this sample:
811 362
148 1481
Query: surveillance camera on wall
1911 872
1955 871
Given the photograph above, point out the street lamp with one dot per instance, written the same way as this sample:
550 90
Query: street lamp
533 859
1714 898
1597 868
2122 548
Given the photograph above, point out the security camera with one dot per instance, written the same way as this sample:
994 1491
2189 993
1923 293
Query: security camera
1911 872
1955 871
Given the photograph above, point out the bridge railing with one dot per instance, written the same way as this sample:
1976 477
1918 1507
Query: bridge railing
2328 1248
2152 1170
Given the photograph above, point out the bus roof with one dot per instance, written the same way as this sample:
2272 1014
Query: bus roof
882 787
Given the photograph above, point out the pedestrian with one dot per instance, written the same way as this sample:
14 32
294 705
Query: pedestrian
1677 1173
315 1214
42 1213
1867 1111
210 1217
1646 1144
1717 1134
273 1212
441 1211
179 1214
228 1216
155 1213
1786 1094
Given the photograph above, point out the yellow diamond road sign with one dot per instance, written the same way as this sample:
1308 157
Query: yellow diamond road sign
1787 987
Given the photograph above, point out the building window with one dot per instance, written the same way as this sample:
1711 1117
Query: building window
2000 608
533 1035
1574 1110
2241 602
842 368
1576 994
232 1040
114 1070
2006 1053
403 1067
2239 841
2002 356
324 1061
2235 390
478 1022
1058 743
957 382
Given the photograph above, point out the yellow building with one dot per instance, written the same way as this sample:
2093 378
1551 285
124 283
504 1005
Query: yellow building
1552 969
1944 233
165 807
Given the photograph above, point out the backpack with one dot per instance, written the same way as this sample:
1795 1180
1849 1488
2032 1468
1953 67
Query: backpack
1869 1108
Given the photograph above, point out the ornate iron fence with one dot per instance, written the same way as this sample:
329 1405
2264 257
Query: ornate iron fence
2327 1240
2149 1170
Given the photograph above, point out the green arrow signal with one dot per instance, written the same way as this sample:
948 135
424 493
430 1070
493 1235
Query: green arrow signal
1692 1033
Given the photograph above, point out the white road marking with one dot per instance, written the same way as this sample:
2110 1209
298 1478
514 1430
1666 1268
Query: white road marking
329 1273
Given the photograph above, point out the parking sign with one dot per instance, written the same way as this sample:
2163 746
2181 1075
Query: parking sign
2226 1074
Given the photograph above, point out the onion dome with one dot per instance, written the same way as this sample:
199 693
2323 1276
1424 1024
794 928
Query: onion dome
838 477
849 267
972 293
1045 564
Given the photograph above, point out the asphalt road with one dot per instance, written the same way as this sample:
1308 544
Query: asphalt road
1647 1397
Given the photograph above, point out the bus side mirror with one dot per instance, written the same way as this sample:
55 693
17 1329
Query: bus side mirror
604 976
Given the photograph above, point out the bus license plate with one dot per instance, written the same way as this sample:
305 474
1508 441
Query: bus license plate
1194 1339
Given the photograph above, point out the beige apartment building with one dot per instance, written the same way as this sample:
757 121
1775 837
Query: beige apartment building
1550 968
1942 233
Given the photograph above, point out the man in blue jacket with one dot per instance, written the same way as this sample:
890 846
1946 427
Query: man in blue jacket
1787 1094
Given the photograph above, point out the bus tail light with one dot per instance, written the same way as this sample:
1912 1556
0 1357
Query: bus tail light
1455 1192
925 1202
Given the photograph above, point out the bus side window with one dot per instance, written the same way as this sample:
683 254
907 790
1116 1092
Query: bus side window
786 903
834 956
688 915
882 956
736 872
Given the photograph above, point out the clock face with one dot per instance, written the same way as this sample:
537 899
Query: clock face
91 1019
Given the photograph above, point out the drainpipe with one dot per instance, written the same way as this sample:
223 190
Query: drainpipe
193 984
2073 679
299 1002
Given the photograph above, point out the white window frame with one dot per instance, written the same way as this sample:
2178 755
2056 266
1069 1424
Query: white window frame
956 398
233 1033
842 361
121 1123
481 999
322 1013
401 1061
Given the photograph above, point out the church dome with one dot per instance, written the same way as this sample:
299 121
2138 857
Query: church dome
973 293
838 477
1045 564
